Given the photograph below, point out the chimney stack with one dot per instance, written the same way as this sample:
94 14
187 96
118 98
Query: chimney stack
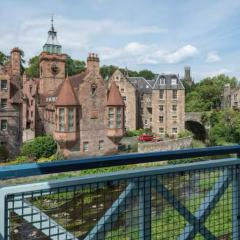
16 61
93 62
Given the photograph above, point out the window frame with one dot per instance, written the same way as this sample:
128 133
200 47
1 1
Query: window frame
5 104
61 120
70 118
6 125
1 87
85 146
174 94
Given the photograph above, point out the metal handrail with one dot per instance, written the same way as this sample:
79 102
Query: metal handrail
35 169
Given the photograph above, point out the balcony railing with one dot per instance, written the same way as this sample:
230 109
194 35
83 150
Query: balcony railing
199 200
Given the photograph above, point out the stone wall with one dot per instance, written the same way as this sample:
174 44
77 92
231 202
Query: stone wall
172 144
28 134
128 92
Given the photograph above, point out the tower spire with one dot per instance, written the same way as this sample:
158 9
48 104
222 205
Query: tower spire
52 20
52 45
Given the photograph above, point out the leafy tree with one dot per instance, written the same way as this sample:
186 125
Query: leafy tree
39 147
224 126
3 58
147 74
74 66
33 68
206 95
107 71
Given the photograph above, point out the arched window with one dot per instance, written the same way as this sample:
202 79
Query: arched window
93 89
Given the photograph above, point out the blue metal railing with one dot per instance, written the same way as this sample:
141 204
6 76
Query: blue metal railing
35 169
198 200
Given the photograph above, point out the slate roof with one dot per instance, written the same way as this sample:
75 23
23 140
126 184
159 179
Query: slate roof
146 86
141 84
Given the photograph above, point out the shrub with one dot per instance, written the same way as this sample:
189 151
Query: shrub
184 133
21 159
138 132
4 154
39 147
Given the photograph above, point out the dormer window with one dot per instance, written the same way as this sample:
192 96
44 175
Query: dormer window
162 81
174 81
93 89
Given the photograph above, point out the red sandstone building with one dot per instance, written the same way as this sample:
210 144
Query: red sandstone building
83 115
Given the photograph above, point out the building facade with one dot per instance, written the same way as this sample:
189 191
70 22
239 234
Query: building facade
85 114
157 104
11 102
231 97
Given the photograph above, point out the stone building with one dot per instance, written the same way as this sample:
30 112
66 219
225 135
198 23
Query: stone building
10 102
231 97
187 76
158 104
84 116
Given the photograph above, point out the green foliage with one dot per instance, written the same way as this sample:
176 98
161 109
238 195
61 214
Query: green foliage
206 95
138 132
4 154
39 147
33 68
185 133
107 71
198 144
22 159
224 127
3 59
147 74
74 66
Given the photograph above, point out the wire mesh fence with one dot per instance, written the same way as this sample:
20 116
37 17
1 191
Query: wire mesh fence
186 204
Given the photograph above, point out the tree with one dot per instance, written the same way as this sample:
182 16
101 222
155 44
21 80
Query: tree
206 94
3 58
224 126
33 67
147 74
107 71
74 66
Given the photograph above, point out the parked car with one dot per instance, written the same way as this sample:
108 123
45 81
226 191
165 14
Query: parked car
145 138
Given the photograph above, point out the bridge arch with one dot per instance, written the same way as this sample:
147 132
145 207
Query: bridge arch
193 123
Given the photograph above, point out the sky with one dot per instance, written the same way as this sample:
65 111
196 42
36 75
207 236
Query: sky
159 35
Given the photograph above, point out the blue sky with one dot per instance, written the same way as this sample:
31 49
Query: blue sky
159 35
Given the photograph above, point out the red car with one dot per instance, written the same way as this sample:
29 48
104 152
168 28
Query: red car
145 138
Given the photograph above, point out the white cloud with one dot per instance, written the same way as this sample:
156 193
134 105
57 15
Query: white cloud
148 54
74 35
213 57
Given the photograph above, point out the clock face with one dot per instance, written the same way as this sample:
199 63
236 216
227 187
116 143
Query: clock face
55 69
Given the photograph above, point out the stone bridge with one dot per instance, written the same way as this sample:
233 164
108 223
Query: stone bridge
194 116
193 123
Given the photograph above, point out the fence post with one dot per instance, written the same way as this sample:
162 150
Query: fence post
145 208
2 216
236 202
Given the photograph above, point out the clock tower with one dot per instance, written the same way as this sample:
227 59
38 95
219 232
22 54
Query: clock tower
52 64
